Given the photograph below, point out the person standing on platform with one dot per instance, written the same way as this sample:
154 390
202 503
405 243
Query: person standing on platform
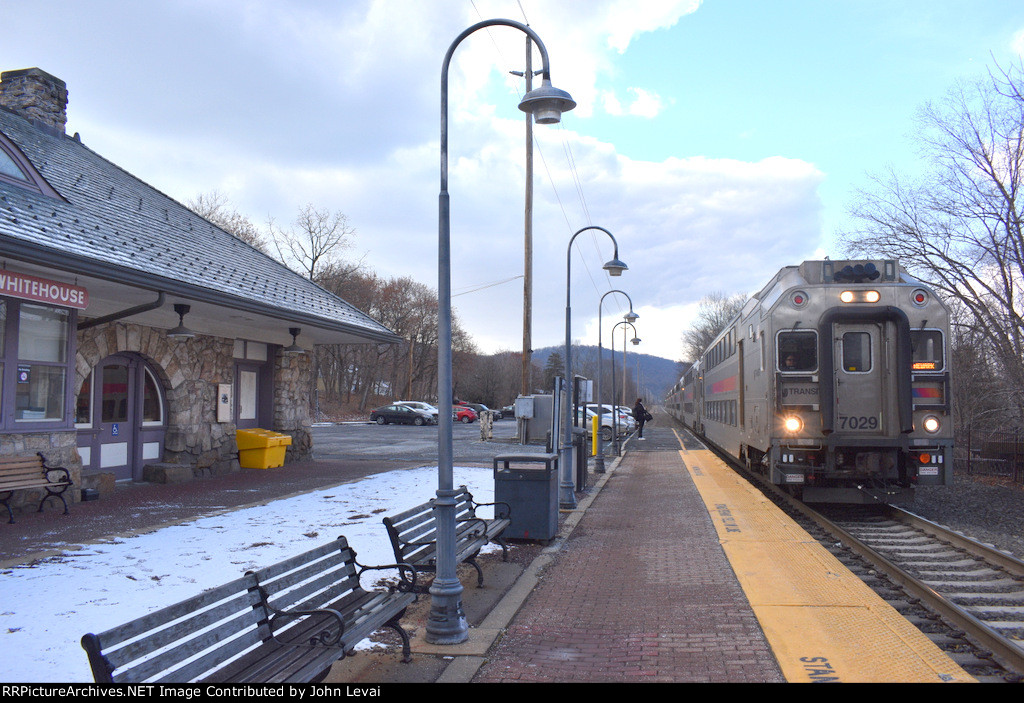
641 416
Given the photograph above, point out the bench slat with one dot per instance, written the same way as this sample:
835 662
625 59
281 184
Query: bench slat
215 647
168 614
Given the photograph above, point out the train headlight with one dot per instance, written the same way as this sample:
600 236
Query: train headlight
792 423
931 424
860 296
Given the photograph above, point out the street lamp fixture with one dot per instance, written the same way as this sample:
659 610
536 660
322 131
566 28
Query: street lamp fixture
547 103
630 317
446 623
615 267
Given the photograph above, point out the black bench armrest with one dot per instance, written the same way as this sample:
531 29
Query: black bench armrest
325 637
482 530
405 584
48 469
506 513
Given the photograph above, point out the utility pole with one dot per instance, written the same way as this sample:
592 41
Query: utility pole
525 386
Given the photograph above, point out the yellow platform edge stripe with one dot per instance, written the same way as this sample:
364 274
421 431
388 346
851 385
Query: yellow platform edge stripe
822 622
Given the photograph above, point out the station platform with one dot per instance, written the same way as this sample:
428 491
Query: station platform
681 572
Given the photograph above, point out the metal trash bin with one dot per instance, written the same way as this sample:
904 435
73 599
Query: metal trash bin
261 449
530 488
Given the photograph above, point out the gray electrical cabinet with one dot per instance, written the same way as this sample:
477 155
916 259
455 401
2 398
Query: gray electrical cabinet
528 483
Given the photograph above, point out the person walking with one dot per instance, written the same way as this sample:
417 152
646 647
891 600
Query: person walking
641 416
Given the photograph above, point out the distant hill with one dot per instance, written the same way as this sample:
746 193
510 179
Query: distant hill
658 373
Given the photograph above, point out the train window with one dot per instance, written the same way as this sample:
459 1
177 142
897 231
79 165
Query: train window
798 351
857 352
927 350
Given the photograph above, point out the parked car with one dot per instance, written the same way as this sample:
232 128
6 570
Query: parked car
463 413
480 408
400 414
419 405
626 422
586 415
508 411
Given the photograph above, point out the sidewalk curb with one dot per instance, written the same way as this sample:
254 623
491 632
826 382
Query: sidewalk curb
462 669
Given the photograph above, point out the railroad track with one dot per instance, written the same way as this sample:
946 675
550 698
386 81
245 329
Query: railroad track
973 587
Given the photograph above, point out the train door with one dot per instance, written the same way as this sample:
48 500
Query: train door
861 367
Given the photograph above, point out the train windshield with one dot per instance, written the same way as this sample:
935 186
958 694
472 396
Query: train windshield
798 351
857 352
927 350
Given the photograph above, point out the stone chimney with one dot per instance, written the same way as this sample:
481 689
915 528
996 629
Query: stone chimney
37 96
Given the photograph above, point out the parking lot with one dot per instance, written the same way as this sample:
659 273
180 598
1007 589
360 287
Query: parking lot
363 440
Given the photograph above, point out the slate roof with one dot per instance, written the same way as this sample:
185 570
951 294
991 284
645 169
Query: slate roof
114 226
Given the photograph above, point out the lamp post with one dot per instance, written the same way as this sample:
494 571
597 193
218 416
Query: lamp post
630 317
447 621
636 340
615 267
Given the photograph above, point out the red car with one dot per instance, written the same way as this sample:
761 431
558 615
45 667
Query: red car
463 413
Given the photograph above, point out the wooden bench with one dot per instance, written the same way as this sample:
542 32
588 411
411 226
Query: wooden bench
414 536
19 473
286 623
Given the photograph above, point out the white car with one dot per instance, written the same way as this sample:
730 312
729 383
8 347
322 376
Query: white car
586 418
626 422
418 405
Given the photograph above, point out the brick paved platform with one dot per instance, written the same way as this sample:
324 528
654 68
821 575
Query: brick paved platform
640 592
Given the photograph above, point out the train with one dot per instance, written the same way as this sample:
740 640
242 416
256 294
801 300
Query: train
834 381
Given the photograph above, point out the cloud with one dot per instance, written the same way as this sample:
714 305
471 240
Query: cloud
1017 42
643 103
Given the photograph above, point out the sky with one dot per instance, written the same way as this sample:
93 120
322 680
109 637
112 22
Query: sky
107 583
716 140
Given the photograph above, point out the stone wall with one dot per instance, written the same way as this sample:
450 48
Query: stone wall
293 381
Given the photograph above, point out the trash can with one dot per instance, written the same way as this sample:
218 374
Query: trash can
528 484
261 449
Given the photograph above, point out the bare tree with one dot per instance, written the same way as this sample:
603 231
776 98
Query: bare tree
214 206
713 314
959 227
315 243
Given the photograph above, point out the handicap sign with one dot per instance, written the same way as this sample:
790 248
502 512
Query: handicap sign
113 429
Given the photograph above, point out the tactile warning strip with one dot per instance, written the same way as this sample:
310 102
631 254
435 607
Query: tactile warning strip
822 622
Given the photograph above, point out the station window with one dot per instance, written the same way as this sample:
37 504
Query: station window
41 364
927 349
798 351
35 364
857 352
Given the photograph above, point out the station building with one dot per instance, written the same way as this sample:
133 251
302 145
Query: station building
132 331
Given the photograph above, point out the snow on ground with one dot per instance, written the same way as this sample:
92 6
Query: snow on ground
47 606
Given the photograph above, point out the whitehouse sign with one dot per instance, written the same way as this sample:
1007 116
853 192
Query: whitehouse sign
17 285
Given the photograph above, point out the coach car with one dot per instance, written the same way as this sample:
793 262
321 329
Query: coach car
834 381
